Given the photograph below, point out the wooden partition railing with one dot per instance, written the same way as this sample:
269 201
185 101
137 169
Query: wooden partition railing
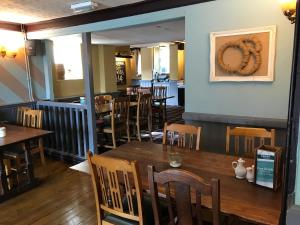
68 121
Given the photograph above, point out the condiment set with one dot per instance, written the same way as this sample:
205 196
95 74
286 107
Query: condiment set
241 172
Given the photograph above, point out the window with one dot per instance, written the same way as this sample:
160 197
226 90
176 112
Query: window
164 59
67 57
139 63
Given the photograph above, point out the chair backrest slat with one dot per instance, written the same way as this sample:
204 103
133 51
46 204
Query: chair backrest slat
182 182
182 133
120 110
33 118
159 92
250 136
20 114
144 106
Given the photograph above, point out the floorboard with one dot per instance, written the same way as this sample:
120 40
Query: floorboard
64 197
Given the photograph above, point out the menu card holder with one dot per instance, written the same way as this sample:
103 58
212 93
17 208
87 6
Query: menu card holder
268 166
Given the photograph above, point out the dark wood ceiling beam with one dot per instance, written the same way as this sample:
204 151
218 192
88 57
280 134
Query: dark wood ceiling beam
10 26
111 13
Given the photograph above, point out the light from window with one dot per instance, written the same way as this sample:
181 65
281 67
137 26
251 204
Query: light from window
139 63
67 52
164 59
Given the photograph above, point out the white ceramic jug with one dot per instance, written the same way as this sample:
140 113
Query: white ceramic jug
239 168
2 131
250 174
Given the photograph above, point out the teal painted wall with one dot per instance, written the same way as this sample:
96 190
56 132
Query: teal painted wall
257 99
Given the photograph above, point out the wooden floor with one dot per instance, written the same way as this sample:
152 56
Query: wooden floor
63 197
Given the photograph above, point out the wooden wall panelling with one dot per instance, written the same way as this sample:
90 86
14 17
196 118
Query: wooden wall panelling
213 135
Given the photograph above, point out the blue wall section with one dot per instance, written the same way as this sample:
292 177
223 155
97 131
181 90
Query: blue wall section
256 99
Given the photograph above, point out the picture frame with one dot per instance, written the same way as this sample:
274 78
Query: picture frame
243 55
268 167
121 72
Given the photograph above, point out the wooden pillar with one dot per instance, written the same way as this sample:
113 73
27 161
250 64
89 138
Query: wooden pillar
292 144
89 90
48 69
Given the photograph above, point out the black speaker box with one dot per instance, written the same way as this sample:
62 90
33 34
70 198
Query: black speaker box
32 47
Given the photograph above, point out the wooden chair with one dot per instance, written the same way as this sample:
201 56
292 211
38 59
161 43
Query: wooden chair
144 114
179 183
253 138
144 90
159 109
183 134
159 92
20 114
31 118
114 181
119 119
102 99
7 161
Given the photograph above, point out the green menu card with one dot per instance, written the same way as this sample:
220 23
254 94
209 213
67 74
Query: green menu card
265 168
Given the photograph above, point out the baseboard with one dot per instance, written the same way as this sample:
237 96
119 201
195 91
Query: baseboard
293 215
238 120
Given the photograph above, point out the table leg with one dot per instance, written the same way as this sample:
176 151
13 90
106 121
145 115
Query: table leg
29 163
3 177
165 110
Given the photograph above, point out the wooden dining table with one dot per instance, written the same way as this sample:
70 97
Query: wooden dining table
14 135
239 198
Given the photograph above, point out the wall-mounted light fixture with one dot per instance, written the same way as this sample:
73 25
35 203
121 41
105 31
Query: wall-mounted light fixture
289 9
8 53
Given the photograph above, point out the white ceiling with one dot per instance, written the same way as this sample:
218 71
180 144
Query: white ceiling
29 11
140 36
150 33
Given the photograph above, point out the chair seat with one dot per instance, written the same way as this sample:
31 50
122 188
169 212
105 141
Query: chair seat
13 152
108 128
113 219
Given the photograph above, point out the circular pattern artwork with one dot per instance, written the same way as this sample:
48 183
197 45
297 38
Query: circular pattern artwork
249 47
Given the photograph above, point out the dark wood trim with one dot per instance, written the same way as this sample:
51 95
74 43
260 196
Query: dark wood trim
111 13
10 26
89 90
239 120
293 123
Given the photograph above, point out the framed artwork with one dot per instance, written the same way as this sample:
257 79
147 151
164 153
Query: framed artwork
243 55
268 166
121 72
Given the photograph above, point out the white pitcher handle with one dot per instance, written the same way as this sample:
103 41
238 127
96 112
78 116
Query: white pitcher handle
234 163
